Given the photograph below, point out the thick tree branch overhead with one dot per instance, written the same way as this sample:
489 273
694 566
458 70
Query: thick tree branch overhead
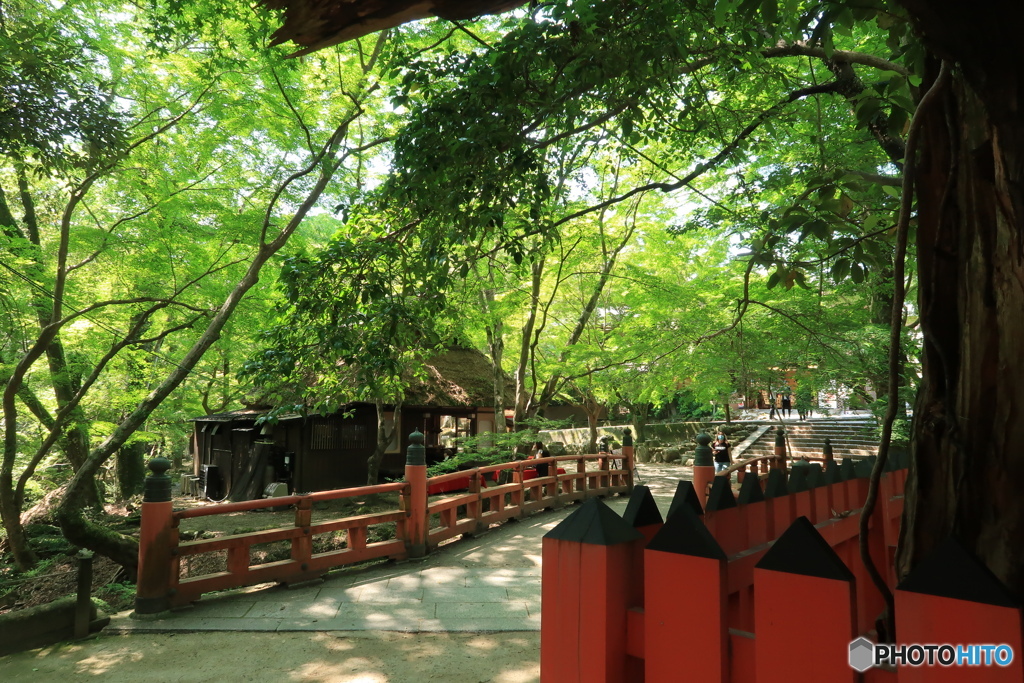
316 24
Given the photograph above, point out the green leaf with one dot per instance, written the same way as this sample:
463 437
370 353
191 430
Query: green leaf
840 269
722 10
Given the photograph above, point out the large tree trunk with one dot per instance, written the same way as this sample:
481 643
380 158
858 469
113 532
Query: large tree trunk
10 514
641 413
384 437
592 407
496 348
131 469
524 388
968 435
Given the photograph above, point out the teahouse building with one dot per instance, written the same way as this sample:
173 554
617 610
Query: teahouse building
236 455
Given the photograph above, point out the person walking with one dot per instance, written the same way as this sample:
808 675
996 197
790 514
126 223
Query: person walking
787 405
721 449
540 452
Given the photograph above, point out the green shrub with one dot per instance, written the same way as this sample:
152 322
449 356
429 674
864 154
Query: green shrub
115 597
381 532
51 545
493 448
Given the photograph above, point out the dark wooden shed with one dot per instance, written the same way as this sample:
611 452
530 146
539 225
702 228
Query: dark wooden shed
236 454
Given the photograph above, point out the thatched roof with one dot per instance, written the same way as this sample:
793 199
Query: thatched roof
456 377
316 24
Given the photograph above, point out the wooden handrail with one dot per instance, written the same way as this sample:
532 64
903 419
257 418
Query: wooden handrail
517 465
227 508
735 467
452 476
260 503
337 494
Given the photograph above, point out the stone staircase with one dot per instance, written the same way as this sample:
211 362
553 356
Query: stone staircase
848 436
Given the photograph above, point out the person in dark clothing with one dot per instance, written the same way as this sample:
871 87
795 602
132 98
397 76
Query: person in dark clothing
540 452
787 405
722 456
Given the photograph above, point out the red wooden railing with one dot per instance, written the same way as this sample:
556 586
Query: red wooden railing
767 590
163 556
486 503
303 563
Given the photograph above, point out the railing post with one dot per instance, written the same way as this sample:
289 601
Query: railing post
603 464
153 589
950 596
83 605
703 467
518 497
627 456
555 489
826 451
686 623
780 449
475 508
587 561
302 546
798 565
416 508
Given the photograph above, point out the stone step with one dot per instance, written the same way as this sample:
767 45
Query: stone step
807 438
868 429
820 443
826 432
753 453
830 435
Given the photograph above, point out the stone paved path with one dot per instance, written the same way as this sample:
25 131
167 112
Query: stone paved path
488 583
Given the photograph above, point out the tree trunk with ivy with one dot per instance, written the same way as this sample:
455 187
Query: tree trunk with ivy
384 437
968 438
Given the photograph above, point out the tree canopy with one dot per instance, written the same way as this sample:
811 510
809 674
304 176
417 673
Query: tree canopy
616 204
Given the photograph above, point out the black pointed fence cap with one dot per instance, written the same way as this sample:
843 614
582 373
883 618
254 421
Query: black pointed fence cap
897 458
797 479
750 490
801 550
903 458
833 472
862 470
952 571
641 510
847 469
776 486
721 497
685 534
685 496
815 476
594 523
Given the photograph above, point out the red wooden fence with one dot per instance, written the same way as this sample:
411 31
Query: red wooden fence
420 523
767 587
